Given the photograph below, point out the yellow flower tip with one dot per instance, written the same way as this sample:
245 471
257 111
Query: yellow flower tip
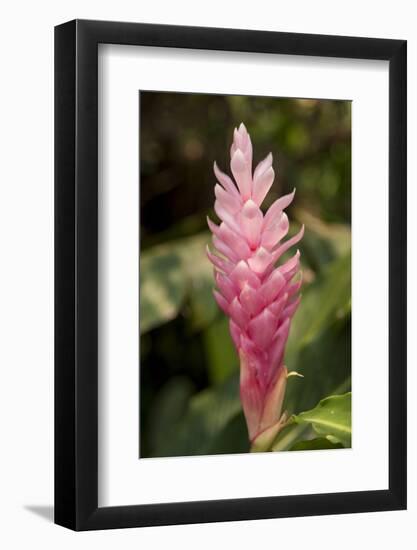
294 373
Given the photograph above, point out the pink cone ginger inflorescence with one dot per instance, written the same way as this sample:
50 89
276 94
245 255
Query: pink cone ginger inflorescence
259 298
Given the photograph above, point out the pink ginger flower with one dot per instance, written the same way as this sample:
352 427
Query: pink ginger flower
259 298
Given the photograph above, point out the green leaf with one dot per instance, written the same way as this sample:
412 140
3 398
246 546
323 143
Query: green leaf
177 277
331 418
290 434
319 345
213 416
233 438
222 359
315 445
326 301
323 242
167 410
198 272
162 287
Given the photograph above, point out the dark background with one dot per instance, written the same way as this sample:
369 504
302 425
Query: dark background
189 402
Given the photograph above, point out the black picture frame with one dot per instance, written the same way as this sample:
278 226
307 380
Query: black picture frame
76 271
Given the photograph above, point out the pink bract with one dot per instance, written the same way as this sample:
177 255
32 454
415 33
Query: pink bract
259 297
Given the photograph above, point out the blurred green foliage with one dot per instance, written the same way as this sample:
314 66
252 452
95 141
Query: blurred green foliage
189 387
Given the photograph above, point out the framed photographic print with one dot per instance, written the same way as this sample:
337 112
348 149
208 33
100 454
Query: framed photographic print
230 338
